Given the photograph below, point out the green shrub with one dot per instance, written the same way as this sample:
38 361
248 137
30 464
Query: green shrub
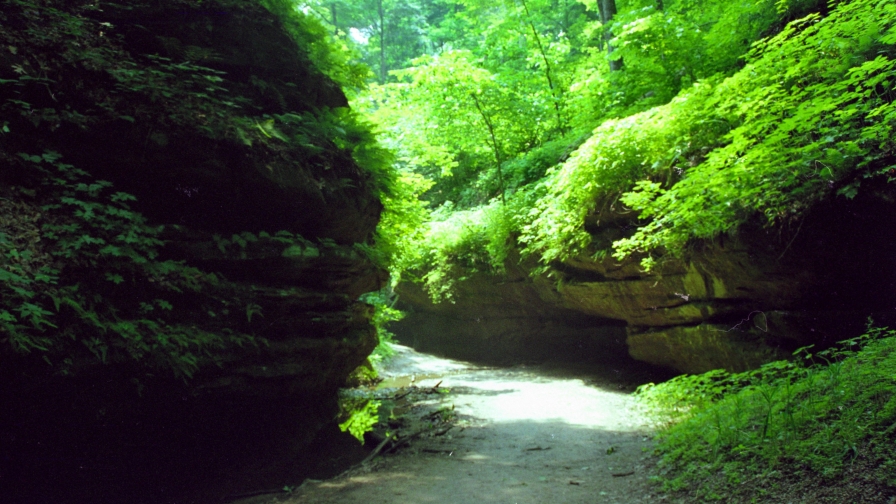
809 116
383 302
460 242
358 414
53 308
817 412
328 54
652 145
453 246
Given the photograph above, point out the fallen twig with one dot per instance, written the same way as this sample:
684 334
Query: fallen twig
442 432
402 396
377 450
405 440
435 450
410 389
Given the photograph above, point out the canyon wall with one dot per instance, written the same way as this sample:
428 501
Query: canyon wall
735 303
249 206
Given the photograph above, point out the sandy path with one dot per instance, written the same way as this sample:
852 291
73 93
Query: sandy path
523 435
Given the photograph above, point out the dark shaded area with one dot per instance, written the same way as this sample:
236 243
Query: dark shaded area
851 244
841 259
499 340
756 294
85 441
561 347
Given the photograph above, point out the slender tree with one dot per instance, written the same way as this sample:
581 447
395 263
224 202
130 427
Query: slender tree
382 26
495 148
561 122
607 9
334 19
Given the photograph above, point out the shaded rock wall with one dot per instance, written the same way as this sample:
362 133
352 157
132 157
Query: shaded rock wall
116 89
735 303
504 320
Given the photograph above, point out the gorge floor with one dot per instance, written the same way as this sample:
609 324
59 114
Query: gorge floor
523 434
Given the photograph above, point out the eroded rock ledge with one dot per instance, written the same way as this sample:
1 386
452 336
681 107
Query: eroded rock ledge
733 304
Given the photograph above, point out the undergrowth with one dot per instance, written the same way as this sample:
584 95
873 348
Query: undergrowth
383 302
57 306
817 413
458 242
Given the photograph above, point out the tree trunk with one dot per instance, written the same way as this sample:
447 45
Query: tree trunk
333 14
607 10
495 148
561 122
383 69
566 17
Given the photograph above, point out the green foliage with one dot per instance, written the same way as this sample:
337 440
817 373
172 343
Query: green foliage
81 277
52 307
485 116
493 90
666 51
324 139
654 145
402 221
450 120
818 412
330 56
456 245
392 32
702 130
197 90
459 242
181 91
358 415
522 172
383 302
809 115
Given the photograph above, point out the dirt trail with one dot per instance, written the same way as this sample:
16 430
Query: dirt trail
526 434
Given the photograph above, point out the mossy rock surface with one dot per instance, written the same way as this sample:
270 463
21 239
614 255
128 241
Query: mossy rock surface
225 130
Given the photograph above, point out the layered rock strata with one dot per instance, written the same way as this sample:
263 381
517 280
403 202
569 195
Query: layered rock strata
735 303
215 119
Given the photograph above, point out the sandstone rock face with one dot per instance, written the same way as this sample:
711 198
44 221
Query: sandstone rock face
315 330
212 116
733 304
504 320
216 120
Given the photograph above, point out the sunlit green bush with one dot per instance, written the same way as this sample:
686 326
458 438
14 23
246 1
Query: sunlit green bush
809 117
819 412
460 242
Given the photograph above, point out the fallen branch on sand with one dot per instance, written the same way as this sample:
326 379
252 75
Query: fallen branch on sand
377 450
